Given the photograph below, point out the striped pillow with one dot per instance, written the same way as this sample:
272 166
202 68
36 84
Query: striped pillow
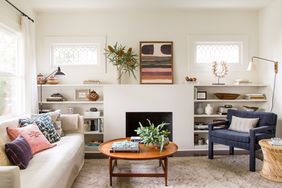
243 124
19 152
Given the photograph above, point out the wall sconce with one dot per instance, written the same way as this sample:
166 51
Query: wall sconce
251 67
56 72
251 63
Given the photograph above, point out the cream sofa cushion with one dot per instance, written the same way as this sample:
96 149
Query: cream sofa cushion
4 161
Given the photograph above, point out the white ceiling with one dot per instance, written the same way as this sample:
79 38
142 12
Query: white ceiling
41 5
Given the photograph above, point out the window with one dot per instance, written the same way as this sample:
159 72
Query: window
75 54
11 78
204 50
77 51
229 52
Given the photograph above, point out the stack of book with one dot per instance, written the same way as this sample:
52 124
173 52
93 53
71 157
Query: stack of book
254 96
55 99
125 146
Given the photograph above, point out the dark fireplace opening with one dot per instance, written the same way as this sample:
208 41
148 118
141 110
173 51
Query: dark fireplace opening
133 119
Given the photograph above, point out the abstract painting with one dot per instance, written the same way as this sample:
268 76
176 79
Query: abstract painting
156 62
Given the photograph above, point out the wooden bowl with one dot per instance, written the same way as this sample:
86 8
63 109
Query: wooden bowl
227 96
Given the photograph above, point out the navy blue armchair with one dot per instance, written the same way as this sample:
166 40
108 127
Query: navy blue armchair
245 140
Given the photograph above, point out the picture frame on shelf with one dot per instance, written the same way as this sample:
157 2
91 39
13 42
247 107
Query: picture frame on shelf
201 95
156 62
81 94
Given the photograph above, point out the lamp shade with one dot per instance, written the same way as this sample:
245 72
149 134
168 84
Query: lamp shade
59 72
251 66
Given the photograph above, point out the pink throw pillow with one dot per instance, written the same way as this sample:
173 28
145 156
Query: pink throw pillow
33 136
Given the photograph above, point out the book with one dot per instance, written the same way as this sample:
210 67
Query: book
125 146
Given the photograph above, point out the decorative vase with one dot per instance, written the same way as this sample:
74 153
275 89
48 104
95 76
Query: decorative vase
209 109
200 108
119 77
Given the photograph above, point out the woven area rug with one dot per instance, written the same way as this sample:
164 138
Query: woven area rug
223 171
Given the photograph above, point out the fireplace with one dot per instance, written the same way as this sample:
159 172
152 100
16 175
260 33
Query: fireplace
133 119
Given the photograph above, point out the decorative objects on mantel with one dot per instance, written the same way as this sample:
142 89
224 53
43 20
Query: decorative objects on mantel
190 79
156 62
124 60
219 70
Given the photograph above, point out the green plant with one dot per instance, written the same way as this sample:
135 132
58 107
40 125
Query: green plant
125 60
152 134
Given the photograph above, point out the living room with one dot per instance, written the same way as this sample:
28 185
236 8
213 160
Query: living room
212 47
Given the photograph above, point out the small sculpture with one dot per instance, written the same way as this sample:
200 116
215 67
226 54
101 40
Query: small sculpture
93 96
219 70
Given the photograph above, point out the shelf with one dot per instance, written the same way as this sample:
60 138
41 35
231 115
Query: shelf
211 116
93 132
231 85
201 131
71 102
71 85
89 118
91 149
231 101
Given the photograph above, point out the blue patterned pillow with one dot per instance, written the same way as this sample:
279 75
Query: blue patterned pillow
44 123
19 152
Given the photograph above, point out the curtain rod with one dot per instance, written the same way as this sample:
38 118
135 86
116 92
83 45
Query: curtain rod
20 11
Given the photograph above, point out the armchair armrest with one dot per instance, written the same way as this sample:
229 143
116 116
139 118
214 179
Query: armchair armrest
262 129
10 176
214 124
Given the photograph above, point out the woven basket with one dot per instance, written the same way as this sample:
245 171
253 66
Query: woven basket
272 161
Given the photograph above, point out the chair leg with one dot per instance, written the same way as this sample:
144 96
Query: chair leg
210 150
231 150
252 160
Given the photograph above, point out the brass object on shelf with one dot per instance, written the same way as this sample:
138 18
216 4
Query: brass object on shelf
93 95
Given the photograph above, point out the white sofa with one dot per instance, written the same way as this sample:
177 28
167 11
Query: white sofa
53 168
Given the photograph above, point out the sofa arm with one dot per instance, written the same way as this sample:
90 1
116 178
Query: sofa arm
10 177
218 123
72 123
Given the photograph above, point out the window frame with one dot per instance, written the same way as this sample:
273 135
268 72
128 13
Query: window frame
192 41
17 75
100 41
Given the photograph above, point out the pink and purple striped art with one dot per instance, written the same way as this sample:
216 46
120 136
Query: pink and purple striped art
156 62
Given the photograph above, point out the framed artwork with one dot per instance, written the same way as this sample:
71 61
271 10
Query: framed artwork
156 62
201 95
81 94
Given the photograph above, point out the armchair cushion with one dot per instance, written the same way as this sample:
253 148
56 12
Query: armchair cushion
243 124
231 135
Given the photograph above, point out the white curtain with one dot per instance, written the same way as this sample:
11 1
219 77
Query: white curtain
29 60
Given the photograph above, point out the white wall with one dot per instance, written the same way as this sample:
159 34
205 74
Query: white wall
130 27
270 37
177 99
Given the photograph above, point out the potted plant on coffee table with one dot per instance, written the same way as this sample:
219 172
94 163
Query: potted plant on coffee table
154 135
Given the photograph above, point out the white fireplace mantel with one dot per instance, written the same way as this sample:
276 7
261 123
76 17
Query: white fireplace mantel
178 99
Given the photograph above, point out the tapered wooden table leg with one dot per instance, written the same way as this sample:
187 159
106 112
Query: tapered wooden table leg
165 170
110 170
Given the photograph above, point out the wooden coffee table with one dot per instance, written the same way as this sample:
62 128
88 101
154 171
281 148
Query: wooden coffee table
146 153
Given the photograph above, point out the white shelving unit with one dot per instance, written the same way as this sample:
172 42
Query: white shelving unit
79 106
202 134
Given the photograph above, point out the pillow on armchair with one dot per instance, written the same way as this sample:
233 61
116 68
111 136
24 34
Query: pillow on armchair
243 124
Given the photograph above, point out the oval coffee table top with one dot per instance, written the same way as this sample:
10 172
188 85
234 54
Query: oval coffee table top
146 152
